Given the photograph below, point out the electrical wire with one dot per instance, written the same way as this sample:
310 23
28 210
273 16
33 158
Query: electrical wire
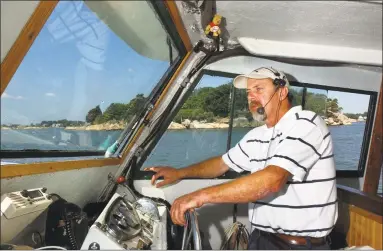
268 149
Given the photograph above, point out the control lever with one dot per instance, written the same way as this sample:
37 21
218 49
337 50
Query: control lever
191 228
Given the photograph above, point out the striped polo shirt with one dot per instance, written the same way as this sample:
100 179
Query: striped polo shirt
300 143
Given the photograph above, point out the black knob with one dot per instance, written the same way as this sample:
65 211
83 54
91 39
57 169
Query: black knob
44 189
94 246
24 193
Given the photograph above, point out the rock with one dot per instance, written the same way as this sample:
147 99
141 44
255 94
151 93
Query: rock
99 127
198 125
339 119
223 120
186 123
241 122
176 126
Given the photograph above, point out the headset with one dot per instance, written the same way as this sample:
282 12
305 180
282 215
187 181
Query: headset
278 82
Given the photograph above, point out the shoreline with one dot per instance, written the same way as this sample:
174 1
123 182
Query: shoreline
172 126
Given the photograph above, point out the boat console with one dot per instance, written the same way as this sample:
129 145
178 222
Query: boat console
124 224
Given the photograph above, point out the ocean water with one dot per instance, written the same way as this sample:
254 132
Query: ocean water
177 148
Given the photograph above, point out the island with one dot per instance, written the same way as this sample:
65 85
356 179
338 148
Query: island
206 108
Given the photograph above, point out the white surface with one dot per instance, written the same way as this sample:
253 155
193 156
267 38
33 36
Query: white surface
14 15
356 24
77 186
311 51
339 76
18 211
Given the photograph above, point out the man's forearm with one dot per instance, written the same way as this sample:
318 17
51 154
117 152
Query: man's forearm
210 168
246 189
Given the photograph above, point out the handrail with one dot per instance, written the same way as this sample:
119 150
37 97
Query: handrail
192 221
352 196
195 230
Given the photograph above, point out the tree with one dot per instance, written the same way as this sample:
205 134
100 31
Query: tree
93 114
134 106
217 101
332 106
115 111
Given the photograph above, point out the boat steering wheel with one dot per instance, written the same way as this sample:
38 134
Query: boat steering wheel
191 228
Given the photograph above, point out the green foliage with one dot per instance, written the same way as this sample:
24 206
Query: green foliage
60 123
355 115
332 106
316 102
217 101
93 114
120 112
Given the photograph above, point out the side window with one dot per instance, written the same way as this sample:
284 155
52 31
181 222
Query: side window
297 94
200 129
89 71
346 115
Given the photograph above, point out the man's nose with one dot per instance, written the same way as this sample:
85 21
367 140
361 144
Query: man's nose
251 96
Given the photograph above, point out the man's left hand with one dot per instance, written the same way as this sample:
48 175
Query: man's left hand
184 203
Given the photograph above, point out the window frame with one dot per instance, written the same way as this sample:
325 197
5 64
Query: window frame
165 18
231 174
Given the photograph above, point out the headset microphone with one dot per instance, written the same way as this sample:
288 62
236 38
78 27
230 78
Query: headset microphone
261 110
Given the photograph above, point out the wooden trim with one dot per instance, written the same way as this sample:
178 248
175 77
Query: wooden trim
166 89
24 41
369 202
16 170
177 20
375 157
365 213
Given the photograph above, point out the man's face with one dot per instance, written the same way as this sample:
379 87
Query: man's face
259 92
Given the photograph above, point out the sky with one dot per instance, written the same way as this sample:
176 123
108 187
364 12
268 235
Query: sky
77 63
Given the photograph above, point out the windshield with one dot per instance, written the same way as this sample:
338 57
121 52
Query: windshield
89 71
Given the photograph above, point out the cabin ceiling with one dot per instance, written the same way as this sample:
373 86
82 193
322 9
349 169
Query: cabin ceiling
354 24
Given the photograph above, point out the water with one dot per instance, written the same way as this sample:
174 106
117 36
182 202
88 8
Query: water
182 148
178 148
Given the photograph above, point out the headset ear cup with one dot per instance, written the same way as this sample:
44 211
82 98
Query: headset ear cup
279 82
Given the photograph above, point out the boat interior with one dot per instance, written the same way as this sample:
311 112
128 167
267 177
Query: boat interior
76 194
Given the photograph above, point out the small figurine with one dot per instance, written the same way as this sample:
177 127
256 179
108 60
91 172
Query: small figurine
212 29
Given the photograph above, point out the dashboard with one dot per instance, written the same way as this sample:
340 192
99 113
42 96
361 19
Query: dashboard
124 224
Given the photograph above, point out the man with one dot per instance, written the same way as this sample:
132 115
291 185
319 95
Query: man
291 190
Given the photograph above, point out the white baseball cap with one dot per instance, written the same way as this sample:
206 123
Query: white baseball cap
260 73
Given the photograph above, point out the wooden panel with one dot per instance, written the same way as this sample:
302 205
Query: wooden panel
368 202
375 157
15 170
365 228
173 10
24 41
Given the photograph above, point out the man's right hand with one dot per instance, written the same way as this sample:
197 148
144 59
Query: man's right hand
170 175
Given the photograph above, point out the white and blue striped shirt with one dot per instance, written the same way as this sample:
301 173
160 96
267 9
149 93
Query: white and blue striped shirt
300 143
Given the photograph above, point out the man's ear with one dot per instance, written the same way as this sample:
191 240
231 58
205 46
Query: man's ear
284 91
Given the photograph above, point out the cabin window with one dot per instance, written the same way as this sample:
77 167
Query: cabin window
200 128
349 114
90 70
